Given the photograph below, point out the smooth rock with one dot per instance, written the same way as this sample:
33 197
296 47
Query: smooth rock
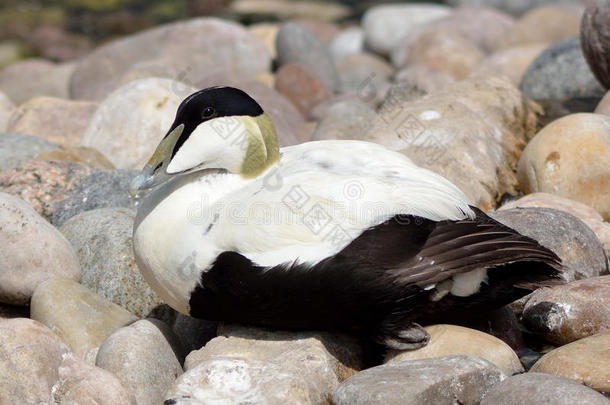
325 31
543 24
387 25
358 73
31 355
449 340
43 183
55 43
259 366
35 77
79 154
511 62
583 212
604 105
285 116
102 189
571 239
192 333
286 10
16 149
595 39
570 157
6 110
471 132
296 44
186 51
560 73
442 380
444 50
301 86
130 122
102 239
31 251
345 120
513 7
563 314
585 361
416 81
266 32
541 389
56 120
81 383
145 356
347 42
80 317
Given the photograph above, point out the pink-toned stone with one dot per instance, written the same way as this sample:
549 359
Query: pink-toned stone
543 24
324 30
511 62
301 86
35 77
80 154
43 183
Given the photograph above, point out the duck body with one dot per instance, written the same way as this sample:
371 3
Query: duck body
340 235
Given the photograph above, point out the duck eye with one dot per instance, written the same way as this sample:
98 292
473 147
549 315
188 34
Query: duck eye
208 112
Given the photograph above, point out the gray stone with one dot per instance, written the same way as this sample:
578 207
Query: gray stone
565 313
542 389
193 333
360 73
248 365
80 317
130 122
31 251
561 73
6 110
102 189
102 239
514 7
441 380
595 39
345 120
296 44
16 149
145 356
571 239
35 77
186 51
386 26
347 42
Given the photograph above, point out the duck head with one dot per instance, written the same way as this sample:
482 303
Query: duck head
215 128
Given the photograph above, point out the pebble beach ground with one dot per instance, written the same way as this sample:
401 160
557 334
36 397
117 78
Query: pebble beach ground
508 99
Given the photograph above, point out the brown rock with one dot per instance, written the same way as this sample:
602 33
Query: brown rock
543 24
604 105
31 251
59 121
448 340
595 39
585 361
43 183
416 81
583 212
511 62
563 314
35 77
471 132
80 154
301 86
570 157
485 26
55 43
445 50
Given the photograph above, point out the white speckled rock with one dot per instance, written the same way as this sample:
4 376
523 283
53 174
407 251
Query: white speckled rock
31 251
442 380
582 211
6 110
80 317
59 121
129 124
585 361
448 340
542 389
472 132
103 242
570 157
185 50
145 356
386 26
249 365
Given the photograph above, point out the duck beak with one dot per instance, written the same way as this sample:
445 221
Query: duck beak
154 172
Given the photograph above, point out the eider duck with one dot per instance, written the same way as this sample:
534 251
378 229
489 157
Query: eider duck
329 235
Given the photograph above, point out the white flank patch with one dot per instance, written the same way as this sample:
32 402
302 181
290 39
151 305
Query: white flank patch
469 283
